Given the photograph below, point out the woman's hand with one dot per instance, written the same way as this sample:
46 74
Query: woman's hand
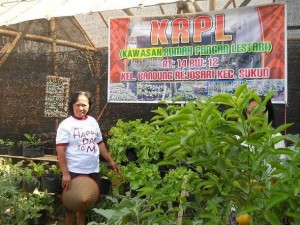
66 182
114 166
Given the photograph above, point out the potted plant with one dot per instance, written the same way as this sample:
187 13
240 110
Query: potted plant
51 179
105 183
41 204
33 146
30 181
14 148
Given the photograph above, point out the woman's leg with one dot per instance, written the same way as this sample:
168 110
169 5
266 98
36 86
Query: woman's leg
81 216
70 217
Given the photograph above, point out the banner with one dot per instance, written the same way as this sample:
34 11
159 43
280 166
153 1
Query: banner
198 55
56 100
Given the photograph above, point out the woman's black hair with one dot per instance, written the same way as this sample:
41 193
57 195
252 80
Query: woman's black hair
270 110
74 99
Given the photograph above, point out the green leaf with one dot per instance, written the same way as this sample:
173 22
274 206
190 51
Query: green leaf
282 127
166 163
223 98
272 218
256 135
240 89
189 135
171 151
152 213
107 213
276 198
247 209
235 131
169 144
230 140
223 128
177 118
161 112
147 191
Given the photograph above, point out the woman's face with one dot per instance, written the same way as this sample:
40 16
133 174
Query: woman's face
251 105
81 106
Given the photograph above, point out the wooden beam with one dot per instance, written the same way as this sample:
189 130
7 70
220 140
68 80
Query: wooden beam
182 7
52 27
228 4
245 3
161 9
62 28
14 43
103 19
77 24
197 7
234 4
128 12
48 40
212 5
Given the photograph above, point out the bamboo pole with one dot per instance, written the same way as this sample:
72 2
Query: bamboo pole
52 27
212 5
77 24
184 193
228 4
48 40
54 46
14 43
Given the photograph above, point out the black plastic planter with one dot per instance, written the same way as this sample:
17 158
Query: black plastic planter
31 151
51 183
3 150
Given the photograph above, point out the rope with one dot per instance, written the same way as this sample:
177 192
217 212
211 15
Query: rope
102 111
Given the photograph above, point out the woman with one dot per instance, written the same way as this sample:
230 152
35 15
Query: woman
269 110
78 144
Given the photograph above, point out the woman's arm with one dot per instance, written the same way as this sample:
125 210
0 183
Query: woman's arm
62 161
105 154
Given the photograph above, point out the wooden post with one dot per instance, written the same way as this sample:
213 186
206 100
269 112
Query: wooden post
11 46
54 60
54 46
48 40
183 194
212 5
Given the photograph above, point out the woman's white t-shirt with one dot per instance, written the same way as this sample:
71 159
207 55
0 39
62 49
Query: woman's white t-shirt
81 138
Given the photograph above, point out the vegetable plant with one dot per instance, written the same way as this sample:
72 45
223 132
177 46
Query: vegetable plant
33 139
228 160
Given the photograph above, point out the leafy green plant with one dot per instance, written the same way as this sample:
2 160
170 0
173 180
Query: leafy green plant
33 139
228 151
10 142
136 210
230 162
138 176
39 168
2 142
135 136
17 206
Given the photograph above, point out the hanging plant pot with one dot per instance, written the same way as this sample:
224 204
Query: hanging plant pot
51 183
33 151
